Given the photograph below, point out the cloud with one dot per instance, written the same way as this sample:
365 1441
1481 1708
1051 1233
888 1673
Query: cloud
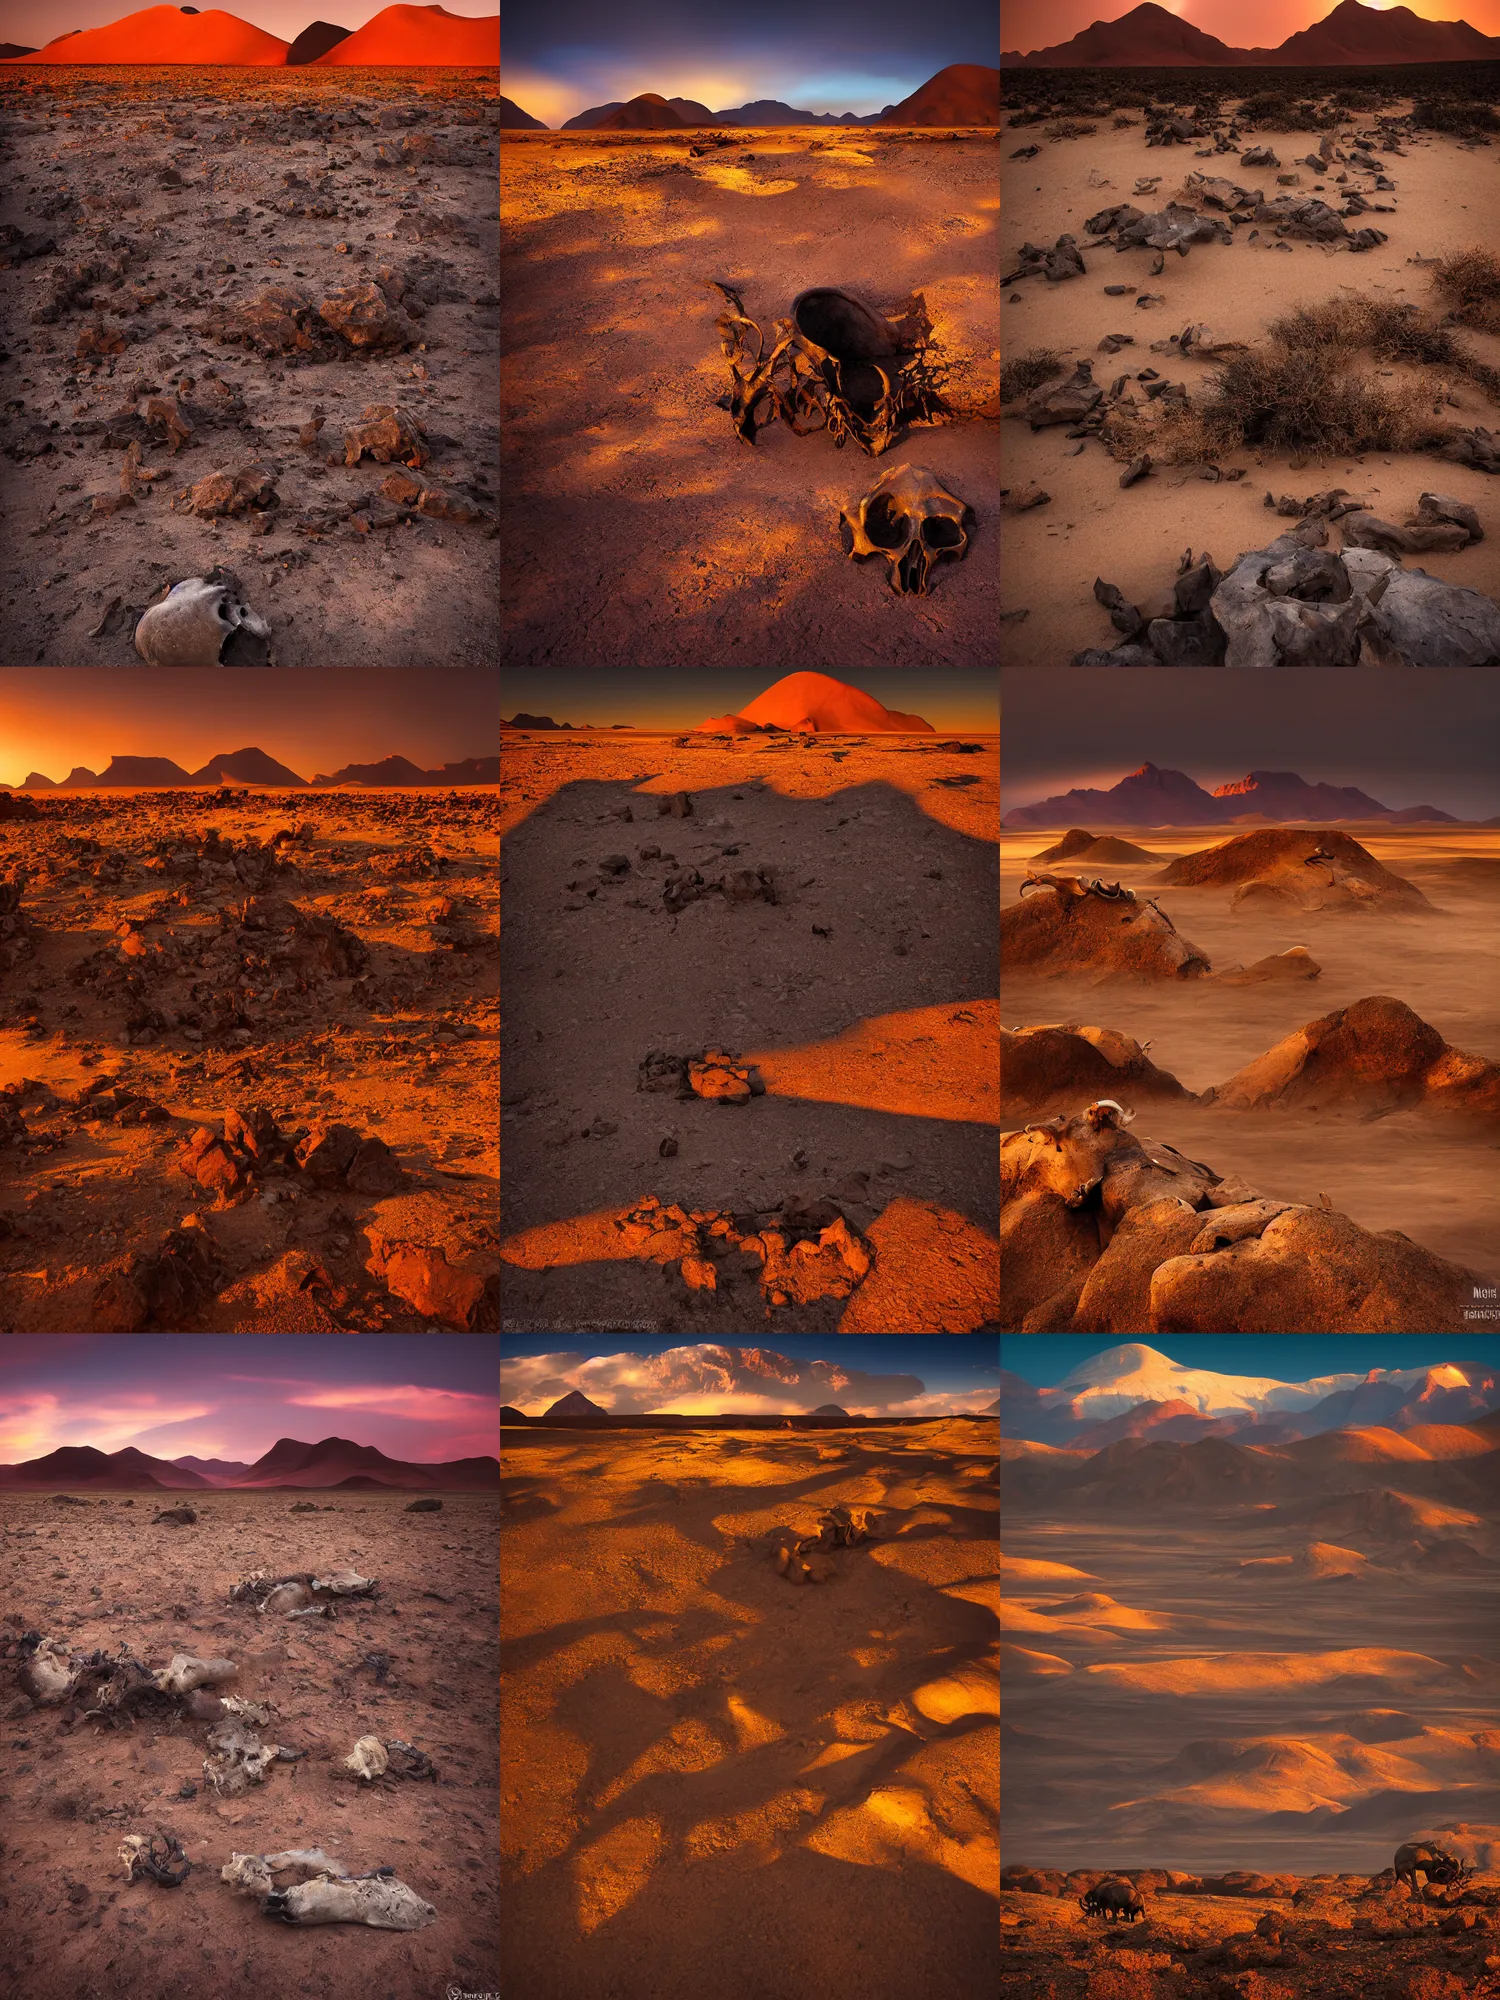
32 1426
711 1379
403 1399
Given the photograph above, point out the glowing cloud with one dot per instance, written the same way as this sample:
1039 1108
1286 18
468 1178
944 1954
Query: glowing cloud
711 1380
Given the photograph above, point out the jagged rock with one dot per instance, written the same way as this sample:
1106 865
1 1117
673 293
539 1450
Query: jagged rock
1267 627
386 432
1122 615
1440 507
1412 619
1118 217
1368 531
1067 403
1137 469
229 493
1259 156
365 317
1064 261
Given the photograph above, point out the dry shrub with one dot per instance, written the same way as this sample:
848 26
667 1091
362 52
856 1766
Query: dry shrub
1468 282
1070 128
1121 123
1309 400
1465 119
1028 371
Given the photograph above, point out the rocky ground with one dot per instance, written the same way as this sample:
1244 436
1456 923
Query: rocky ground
1260 1937
246 1059
791 941
99 1576
223 273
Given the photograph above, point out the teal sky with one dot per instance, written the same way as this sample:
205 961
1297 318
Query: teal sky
682 697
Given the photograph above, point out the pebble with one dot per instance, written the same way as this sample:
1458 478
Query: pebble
1119 291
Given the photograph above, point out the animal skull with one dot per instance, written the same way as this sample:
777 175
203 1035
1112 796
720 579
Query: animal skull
367 1760
197 625
912 520
239 1759
50 1676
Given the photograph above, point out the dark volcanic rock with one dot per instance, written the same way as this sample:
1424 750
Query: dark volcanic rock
314 41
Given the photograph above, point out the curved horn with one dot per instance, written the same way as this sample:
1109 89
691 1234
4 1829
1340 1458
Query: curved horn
1045 1125
1099 1113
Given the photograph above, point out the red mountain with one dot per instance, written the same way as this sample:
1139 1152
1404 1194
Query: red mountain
648 112
334 1461
961 94
1148 37
419 38
1356 34
167 35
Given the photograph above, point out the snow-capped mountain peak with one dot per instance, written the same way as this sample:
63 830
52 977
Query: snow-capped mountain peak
1111 1382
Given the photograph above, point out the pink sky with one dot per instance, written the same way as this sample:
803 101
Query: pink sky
422 1397
1244 24
34 23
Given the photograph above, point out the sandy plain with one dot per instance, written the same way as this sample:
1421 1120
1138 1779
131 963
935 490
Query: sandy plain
639 529
711 1776
865 996
102 1577
1404 1171
1169 1710
374 1004
1446 200
202 189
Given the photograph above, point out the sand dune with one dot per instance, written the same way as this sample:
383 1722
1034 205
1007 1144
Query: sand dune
167 35
1355 1447
1023 1570
1246 1673
1317 1560
1448 1440
1379 1512
1021 1663
419 37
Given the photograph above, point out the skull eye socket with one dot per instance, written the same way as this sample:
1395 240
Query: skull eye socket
885 525
940 533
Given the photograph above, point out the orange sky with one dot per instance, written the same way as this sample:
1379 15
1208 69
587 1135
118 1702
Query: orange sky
1038 24
50 721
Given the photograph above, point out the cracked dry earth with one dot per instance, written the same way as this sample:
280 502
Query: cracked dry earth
104 1576
247 1047
219 272
810 1774
787 1122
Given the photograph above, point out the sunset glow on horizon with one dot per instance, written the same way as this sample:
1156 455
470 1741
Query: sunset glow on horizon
1245 24
422 1398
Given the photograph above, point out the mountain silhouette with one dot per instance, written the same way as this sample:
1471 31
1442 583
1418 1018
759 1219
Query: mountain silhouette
514 119
1149 37
246 767
331 1462
315 40
1152 797
401 771
575 1404
961 94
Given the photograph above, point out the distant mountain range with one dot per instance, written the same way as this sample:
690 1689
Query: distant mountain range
1149 37
1152 797
254 767
1135 1391
413 37
333 1462
960 94
577 1409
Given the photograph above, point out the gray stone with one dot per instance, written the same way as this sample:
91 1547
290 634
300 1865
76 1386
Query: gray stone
1442 507
1263 629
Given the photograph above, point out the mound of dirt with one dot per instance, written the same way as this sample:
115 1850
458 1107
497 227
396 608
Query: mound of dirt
1373 1056
1047 1068
1104 848
1067 928
1313 869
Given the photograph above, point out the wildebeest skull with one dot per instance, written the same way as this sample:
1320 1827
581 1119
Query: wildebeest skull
203 622
909 517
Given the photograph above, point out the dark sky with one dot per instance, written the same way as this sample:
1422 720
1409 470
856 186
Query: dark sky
311 722
1420 737
1243 24
1044 1359
560 57
682 697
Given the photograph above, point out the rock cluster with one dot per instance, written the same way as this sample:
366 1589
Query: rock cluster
800 1254
231 1165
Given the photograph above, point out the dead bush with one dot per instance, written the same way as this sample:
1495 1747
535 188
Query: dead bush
1070 128
1121 123
1464 119
1309 399
1468 283
1029 371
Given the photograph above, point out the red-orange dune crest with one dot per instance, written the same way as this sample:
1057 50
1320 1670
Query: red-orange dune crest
817 702
419 37
167 35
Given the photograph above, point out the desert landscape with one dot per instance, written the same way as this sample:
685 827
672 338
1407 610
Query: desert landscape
1280 982
118 1567
1273 392
1248 1654
751 987
679 276
682 1729
207 994
250 334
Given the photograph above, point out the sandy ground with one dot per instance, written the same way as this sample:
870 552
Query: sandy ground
128 908
710 1776
85 151
1091 1780
639 529
1445 199
864 996
1402 1172
104 1577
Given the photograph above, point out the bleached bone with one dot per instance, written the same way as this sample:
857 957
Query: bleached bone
313 1611
367 1760
238 1758
380 1900
344 1583
132 1847
184 1673
49 1676
253 1873
158 1856
257 1712
287 1597
194 623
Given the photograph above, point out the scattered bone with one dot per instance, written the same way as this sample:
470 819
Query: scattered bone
367 1760
185 1673
160 1857
49 1676
237 1758
380 1900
